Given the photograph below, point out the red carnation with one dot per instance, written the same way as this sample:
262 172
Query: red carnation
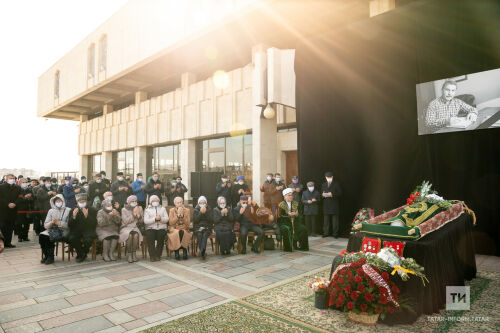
338 304
395 289
382 299
343 252
340 280
354 295
385 276
350 306
390 309
347 289
360 271
392 284
378 309
368 297
363 307
360 288
382 291
362 261
343 272
351 279
341 298
371 284
354 265
359 279
337 289
375 268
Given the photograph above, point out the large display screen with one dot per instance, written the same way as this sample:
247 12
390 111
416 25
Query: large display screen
463 103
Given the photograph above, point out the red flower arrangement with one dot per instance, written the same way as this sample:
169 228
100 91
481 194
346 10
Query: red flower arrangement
412 198
362 295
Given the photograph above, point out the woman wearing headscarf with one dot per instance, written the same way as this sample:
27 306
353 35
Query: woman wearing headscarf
223 225
57 217
155 220
203 224
179 223
132 215
108 229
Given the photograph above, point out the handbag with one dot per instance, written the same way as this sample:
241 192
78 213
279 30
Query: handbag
55 234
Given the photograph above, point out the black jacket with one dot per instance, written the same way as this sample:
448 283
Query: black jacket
26 204
42 198
179 190
9 194
311 209
120 196
202 219
223 191
82 224
223 223
96 189
150 190
235 197
331 205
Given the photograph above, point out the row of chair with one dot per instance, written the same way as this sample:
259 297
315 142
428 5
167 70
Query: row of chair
67 249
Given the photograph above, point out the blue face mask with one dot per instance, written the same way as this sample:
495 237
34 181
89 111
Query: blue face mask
133 204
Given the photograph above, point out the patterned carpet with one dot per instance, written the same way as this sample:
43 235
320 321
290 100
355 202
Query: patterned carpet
290 308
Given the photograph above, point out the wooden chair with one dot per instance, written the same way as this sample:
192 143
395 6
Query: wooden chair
212 238
190 247
253 236
64 246
143 246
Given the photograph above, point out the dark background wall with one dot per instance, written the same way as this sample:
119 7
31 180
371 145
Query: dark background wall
357 113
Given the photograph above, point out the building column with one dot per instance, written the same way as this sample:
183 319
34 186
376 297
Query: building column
84 166
264 131
107 164
140 160
187 160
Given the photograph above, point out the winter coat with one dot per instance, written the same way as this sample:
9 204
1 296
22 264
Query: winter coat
129 222
235 196
268 190
276 195
120 196
297 196
42 198
81 224
312 208
107 225
9 194
139 192
150 218
60 214
225 191
96 190
223 223
202 219
176 223
179 190
331 205
151 190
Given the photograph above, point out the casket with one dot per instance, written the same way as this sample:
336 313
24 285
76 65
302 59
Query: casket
380 225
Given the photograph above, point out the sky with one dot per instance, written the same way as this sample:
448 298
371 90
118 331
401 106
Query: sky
34 35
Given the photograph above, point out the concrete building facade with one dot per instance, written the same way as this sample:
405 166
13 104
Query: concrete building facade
145 103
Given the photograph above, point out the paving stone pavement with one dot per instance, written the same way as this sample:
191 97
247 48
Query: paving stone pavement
98 296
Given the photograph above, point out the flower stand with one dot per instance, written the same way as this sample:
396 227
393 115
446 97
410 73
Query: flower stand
363 318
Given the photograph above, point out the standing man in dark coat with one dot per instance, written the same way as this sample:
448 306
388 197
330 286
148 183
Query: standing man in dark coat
120 189
25 210
276 195
310 200
223 189
267 188
239 189
105 180
97 188
42 202
178 189
10 198
331 191
155 187
297 189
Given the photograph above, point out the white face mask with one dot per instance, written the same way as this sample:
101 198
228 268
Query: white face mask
110 198
222 205
120 179
278 179
244 205
155 179
24 185
59 204
269 178
139 179
48 185
155 203
224 180
240 182
108 208
86 188
329 179
203 205
82 204
11 181
311 189
133 204
98 181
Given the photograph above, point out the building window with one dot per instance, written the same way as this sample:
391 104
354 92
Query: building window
165 161
95 165
103 52
123 161
231 155
56 84
91 61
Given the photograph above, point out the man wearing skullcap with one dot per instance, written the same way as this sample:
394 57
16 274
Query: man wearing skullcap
293 232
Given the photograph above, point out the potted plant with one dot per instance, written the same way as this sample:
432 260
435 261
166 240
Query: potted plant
319 286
